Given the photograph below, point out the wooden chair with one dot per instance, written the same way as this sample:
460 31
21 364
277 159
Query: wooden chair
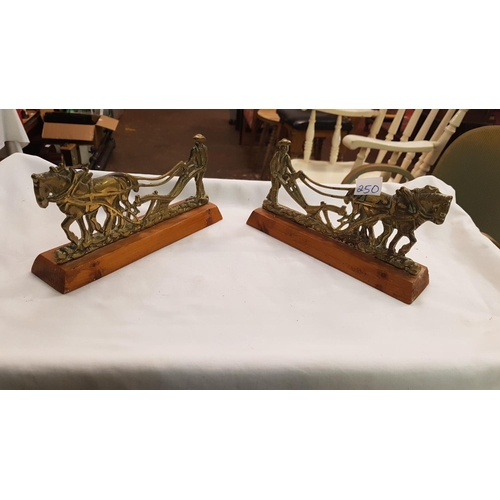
295 124
265 122
267 142
426 134
471 165
333 170
248 122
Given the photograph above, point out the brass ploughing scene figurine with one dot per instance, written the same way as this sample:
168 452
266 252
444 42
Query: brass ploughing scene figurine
400 214
80 196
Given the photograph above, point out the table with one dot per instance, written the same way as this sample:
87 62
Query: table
231 308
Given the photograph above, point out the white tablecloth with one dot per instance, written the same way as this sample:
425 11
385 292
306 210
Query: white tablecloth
230 307
12 131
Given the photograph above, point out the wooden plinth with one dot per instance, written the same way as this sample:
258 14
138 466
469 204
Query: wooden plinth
374 272
79 272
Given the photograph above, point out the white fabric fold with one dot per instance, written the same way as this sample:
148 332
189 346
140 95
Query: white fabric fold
12 130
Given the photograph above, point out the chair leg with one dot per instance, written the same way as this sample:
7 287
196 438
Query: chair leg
256 125
260 148
270 145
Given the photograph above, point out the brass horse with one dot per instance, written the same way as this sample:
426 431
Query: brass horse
404 212
79 196
400 215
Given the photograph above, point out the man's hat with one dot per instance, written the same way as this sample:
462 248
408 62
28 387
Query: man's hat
284 142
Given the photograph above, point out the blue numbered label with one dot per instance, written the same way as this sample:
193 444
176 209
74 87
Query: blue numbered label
368 186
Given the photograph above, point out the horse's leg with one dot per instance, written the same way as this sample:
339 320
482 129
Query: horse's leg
114 214
394 242
119 213
129 208
368 233
371 235
85 239
113 221
381 241
66 223
109 222
406 248
93 222
364 232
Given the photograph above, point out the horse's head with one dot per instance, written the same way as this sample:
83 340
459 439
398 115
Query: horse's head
434 205
50 185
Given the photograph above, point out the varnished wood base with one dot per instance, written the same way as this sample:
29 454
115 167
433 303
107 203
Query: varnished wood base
374 272
79 272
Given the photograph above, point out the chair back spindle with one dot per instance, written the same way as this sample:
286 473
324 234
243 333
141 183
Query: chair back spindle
407 133
308 144
374 130
393 130
424 135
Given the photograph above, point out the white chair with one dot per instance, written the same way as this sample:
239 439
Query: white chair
333 171
413 140
405 138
